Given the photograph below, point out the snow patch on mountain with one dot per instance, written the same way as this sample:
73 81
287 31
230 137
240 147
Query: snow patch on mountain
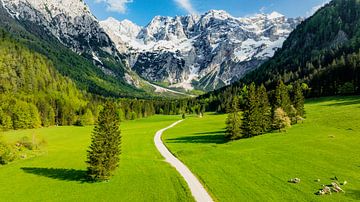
200 51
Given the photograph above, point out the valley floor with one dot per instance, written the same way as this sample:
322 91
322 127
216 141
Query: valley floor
58 175
257 169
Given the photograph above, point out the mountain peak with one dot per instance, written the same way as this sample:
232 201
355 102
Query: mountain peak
111 20
221 14
275 15
214 48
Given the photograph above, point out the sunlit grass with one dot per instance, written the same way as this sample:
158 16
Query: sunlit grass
326 145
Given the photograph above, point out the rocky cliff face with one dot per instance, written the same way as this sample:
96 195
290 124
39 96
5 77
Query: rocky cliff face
71 22
199 51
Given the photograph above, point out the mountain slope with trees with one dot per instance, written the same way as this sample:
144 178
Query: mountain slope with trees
324 52
82 70
32 92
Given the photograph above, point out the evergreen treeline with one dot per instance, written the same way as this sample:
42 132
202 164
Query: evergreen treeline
260 114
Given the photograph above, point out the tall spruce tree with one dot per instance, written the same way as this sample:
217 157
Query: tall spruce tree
103 155
233 121
282 98
299 99
264 109
251 117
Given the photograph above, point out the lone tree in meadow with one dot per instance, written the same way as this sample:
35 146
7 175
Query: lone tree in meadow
233 121
104 151
281 120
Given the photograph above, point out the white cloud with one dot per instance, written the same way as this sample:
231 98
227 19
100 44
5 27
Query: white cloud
313 10
116 5
186 5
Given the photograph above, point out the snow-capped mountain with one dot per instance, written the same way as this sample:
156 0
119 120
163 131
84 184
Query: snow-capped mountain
72 23
204 51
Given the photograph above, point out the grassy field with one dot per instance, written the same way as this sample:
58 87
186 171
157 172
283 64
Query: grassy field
58 174
326 145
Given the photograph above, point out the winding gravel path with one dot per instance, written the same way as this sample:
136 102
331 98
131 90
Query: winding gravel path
196 188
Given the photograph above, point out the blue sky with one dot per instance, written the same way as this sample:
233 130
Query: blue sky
142 11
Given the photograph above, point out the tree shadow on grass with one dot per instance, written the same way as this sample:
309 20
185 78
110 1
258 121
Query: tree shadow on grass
59 173
216 137
354 194
345 102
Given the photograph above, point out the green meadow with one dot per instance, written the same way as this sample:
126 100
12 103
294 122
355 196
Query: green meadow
58 174
326 145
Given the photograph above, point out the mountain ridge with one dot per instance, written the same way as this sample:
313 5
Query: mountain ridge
72 24
199 51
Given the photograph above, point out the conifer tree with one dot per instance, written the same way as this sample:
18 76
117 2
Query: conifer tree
104 151
282 98
251 116
264 109
293 115
233 121
299 99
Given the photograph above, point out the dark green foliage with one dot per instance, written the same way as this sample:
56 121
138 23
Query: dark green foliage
251 117
257 118
264 109
299 100
183 116
104 151
233 122
282 97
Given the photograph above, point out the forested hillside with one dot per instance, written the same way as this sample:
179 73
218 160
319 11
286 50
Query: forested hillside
32 92
324 52
79 68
